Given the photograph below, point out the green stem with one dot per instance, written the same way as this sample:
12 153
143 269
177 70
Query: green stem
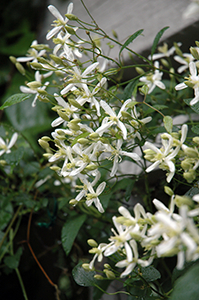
21 284
10 225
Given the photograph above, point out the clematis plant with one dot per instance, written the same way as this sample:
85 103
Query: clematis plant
110 150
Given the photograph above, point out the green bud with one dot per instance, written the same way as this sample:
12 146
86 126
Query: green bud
43 99
190 176
63 115
43 144
172 72
98 277
187 164
40 47
94 135
164 63
107 266
168 191
183 200
197 43
196 140
109 274
74 103
194 52
3 163
20 68
115 34
46 138
191 152
126 115
144 89
42 92
178 51
70 30
56 59
55 168
34 85
139 70
47 155
71 17
91 167
13 59
42 60
36 66
92 243
86 267
83 141
73 202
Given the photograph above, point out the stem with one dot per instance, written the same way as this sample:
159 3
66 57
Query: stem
21 284
10 225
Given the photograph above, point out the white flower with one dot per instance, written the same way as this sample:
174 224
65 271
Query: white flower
114 119
163 156
6 146
116 156
193 81
92 196
90 96
130 265
79 79
185 61
60 22
164 51
35 87
154 80
98 254
32 54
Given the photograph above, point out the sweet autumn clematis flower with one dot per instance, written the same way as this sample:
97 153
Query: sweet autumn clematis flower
60 22
6 146
113 119
193 81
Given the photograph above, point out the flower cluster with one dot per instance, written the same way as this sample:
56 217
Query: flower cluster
165 233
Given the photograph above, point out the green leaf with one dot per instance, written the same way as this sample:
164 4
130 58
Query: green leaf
14 99
186 287
194 107
70 231
150 273
14 157
130 39
6 211
129 89
12 261
156 40
195 129
168 123
83 277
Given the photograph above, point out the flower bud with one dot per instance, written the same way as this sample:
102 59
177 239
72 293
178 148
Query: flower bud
168 191
83 141
94 135
43 144
13 59
56 59
3 163
187 164
191 152
86 267
20 68
71 17
91 167
194 52
74 103
164 62
73 202
55 168
98 277
34 85
109 274
92 243
36 65
183 200
139 70
189 176
63 115
70 30
196 140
